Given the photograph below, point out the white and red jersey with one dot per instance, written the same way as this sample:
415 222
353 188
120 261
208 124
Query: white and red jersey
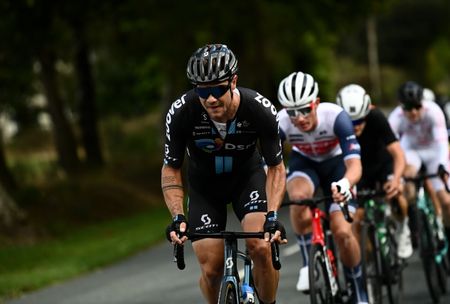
429 133
332 136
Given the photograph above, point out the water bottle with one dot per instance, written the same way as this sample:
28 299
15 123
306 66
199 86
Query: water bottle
248 295
440 231
382 237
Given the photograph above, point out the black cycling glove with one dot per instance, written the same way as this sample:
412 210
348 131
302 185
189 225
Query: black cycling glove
272 224
175 226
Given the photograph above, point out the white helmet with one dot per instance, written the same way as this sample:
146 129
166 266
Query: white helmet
355 101
297 90
428 94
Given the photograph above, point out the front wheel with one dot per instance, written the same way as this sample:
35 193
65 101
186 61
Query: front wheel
228 294
427 254
319 282
442 275
393 266
371 265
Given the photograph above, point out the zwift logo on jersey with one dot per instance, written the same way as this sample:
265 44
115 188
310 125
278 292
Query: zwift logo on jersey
175 105
266 103
209 145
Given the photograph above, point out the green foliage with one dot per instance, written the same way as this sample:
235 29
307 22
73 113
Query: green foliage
140 48
28 267
130 86
438 67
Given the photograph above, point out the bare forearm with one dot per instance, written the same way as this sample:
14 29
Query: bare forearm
172 188
275 186
398 158
353 170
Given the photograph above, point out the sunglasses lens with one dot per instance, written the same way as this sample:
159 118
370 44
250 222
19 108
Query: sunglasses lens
305 111
291 113
411 107
216 92
299 112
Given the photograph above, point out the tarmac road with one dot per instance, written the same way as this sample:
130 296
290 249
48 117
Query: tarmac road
150 277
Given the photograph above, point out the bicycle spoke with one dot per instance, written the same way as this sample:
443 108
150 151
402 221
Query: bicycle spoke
370 266
320 290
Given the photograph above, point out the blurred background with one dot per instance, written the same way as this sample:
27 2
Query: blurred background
84 86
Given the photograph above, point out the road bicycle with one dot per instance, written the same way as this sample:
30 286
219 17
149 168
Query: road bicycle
432 252
233 289
324 275
380 262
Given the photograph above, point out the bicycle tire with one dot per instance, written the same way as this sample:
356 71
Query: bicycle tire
429 264
442 275
393 266
319 283
370 265
228 294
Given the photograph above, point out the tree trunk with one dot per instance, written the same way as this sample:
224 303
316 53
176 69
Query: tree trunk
6 177
64 138
10 214
87 108
372 52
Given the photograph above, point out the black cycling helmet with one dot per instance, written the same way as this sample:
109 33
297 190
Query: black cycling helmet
410 94
211 63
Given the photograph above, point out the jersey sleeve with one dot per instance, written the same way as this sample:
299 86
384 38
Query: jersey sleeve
269 131
343 128
383 127
175 137
394 122
283 124
440 134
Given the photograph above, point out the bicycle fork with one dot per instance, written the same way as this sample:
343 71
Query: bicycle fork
430 217
248 294
231 271
328 256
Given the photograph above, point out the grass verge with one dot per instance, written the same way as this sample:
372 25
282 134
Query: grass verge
29 267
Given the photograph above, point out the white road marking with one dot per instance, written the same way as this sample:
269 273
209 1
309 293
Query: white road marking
292 249
288 251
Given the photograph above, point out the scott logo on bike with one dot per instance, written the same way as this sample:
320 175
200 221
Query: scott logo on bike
229 263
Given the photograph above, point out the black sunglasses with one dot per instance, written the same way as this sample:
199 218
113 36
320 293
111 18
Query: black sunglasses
411 107
300 111
216 91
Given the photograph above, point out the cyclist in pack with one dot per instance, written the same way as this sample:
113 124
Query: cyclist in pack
220 125
420 126
382 157
324 153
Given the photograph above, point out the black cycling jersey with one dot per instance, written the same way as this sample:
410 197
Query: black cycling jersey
375 158
190 129
223 170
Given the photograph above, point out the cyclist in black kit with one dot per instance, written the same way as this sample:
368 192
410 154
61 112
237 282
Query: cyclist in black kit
382 157
220 125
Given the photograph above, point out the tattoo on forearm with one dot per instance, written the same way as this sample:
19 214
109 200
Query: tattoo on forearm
168 187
